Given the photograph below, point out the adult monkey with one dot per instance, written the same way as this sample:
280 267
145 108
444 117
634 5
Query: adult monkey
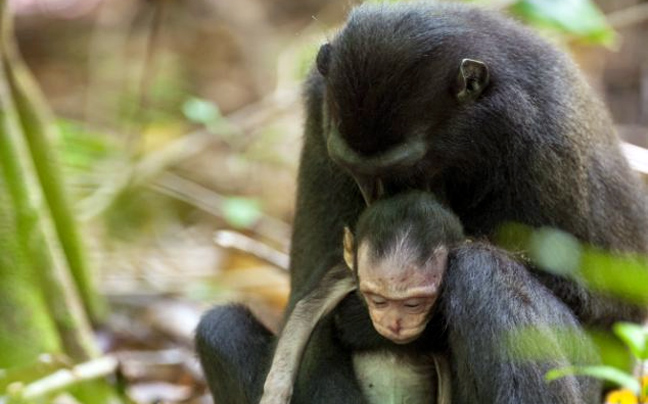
482 112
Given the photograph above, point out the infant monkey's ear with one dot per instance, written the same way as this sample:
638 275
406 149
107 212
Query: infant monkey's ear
348 247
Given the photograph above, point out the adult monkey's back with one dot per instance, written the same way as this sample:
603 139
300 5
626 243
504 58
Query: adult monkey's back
499 124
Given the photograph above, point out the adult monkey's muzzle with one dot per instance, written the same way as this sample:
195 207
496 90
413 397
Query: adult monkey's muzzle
368 170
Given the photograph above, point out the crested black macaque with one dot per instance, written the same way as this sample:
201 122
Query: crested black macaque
501 126
396 262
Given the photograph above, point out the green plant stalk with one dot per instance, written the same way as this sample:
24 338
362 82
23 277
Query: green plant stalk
26 329
36 238
38 129
64 378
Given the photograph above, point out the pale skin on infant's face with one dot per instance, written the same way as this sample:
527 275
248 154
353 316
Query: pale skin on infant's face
399 292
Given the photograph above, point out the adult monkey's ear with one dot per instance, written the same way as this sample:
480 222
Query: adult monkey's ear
472 80
323 59
348 247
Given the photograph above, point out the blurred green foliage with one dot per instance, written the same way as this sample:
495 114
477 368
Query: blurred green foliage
616 376
555 251
84 154
81 148
622 275
138 211
208 114
581 19
541 344
241 212
202 112
615 354
635 338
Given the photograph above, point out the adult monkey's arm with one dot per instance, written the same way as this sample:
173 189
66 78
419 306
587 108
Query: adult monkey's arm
336 284
327 200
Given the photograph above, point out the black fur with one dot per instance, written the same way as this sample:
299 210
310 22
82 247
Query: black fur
233 346
418 214
534 147
487 294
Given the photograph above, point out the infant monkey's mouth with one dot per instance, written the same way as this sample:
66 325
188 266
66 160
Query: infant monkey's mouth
403 337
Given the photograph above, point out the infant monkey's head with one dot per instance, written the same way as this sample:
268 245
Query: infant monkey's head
399 256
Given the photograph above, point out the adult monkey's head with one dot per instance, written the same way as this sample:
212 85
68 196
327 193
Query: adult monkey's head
395 85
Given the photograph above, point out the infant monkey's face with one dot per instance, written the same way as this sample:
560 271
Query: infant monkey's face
400 292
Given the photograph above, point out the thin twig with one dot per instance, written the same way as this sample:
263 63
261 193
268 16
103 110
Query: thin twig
211 202
177 151
65 378
144 170
146 78
153 42
109 35
241 242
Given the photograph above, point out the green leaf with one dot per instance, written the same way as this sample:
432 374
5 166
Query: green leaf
555 251
624 276
635 337
201 111
208 114
514 236
82 150
600 372
612 350
581 18
537 343
241 212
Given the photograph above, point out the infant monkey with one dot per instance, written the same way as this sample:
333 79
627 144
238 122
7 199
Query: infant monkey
396 262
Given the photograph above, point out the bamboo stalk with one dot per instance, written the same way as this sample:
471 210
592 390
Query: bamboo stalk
36 232
38 129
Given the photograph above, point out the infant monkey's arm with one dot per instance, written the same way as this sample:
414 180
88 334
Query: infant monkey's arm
336 284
